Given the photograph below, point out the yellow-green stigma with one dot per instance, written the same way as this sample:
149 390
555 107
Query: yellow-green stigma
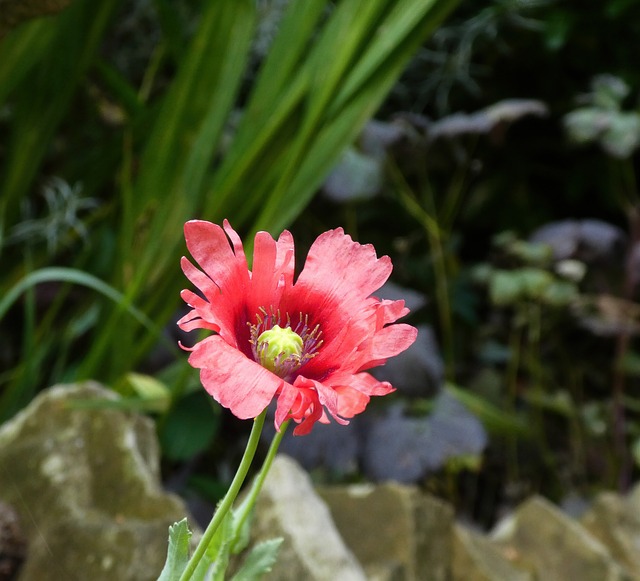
279 349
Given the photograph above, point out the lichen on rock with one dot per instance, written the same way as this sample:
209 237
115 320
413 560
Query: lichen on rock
85 482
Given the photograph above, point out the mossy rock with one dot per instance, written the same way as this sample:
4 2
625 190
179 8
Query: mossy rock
85 482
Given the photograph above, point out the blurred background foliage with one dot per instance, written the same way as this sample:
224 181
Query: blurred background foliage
499 175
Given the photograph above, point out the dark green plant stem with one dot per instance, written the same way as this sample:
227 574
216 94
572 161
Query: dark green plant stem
630 202
513 367
622 347
434 234
229 498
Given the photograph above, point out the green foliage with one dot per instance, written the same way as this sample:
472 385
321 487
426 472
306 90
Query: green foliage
202 131
603 120
259 561
545 337
178 551
213 566
105 155
197 411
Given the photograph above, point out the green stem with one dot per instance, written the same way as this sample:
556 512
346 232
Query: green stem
247 504
228 499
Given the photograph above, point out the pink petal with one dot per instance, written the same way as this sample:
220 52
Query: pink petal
351 401
387 342
285 259
192 321
263 285
327 396
286 401
273 264
315 415
200 317
236 382
300 404
343 269
354 391
224 282
209 246
199 278
391 311
334 288
235 241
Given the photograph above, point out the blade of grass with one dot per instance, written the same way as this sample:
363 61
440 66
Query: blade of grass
20 51
71 275
41 104
289 198
16 393
168 190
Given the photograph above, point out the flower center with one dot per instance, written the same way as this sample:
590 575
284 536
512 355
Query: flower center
281 347
277 346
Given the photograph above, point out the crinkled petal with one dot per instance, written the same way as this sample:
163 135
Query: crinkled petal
192 321
327 396
286 401
200 316
342 269
387 342
224 281
355 390
304 427
238 249
334 288
236 382
285 258
263 282
302 405
391 311
351 401
218 312
209 246
199 278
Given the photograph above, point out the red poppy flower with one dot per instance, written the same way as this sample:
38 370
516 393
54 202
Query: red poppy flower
306 343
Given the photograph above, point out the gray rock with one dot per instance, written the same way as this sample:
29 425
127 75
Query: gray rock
356 177
405 448
85 482
418 371
395 531
289 507
588 240
476 558
615 521
540 537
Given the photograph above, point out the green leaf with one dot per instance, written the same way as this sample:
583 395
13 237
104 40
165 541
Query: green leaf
152 394
178 552
505 287
259 561
534 281
242 529
214 562
189 427
559 293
